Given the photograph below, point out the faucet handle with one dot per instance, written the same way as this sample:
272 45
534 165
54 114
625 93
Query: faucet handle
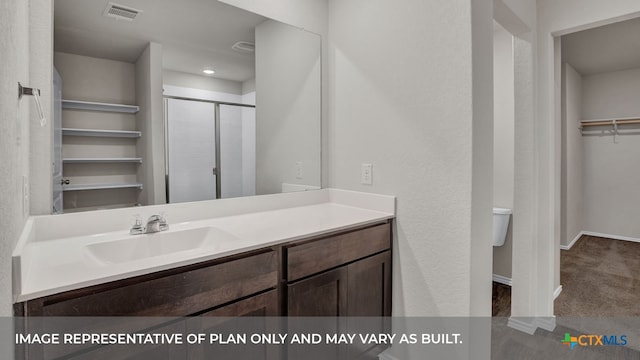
136 228
163 222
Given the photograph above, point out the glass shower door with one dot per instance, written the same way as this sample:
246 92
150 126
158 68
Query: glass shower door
191 151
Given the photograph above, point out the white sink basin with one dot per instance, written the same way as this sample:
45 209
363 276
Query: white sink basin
137 247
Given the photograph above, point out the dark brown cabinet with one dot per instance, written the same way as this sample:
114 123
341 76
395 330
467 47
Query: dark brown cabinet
347 273
343 275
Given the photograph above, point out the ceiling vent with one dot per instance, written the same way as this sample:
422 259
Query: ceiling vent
244 46
121 12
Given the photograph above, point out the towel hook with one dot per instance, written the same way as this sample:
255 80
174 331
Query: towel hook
22 90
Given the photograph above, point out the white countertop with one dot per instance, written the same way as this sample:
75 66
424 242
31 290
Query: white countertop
45 266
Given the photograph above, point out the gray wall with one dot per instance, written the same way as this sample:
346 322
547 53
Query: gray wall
176 78
572 157
412 117
17 116
503 140
288 96
611 170
150 120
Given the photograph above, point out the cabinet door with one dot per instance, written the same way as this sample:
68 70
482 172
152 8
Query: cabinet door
245 316
369 286
320 295
368 302
265 304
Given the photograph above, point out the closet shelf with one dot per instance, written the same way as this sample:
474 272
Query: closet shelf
610 122
80 187
101 160
101 133
97 106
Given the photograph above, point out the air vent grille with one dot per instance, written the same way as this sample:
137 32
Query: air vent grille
244 46
121 12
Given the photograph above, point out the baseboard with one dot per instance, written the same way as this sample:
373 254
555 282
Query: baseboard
502 279
568 247
610 236
557 292
546 323
386 356
591 233
519 324
529 325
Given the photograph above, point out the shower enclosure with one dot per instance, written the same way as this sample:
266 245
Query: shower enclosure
210 149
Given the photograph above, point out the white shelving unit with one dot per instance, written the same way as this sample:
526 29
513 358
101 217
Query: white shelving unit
107 158
101 133
98 106
101 160
80 187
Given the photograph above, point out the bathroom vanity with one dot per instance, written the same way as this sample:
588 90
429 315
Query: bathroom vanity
346 273
322 253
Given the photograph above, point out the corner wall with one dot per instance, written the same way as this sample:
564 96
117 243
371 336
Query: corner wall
573 195
288 96
14 136
411 117
503 140
150 120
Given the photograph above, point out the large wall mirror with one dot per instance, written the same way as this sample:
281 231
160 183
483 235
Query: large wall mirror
165 101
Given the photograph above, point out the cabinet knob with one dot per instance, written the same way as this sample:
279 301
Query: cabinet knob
65 182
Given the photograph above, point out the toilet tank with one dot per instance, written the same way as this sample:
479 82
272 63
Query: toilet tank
501 218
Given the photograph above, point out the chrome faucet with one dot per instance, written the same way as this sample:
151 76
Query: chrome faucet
155 223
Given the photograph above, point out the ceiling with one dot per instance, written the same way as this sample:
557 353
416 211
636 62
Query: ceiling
606 48
195 34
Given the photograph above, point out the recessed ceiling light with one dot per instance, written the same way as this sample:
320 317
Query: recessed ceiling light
208 71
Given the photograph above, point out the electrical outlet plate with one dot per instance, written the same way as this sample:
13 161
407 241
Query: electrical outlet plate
366 175
298 169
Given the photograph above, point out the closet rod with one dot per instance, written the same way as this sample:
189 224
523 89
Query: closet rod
608 122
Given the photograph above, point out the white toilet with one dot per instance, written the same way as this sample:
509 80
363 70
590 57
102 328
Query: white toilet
500 225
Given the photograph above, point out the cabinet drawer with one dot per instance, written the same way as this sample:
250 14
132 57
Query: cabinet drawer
178 294
319 255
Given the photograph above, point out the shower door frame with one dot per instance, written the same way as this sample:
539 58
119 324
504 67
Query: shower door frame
217 105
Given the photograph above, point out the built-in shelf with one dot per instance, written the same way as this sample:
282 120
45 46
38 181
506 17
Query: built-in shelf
101 160
97 106
101 133
78 187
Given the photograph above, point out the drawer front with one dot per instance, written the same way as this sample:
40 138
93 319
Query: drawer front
316 256
179 294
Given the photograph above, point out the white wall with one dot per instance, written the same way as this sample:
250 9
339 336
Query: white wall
177 78
41 76
555 18
150 121
503 139
249 140
310 15
14 135
611 170
573 195
404 96
411 117
288 96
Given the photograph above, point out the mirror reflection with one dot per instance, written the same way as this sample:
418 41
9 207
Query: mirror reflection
174 101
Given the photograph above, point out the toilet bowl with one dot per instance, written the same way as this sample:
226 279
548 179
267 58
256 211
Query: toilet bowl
500 225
